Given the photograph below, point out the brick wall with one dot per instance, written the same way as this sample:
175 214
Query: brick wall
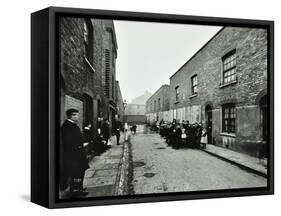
82 76
163 94
71 102
251 52
251 70
250 45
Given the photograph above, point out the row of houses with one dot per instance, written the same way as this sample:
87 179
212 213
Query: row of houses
88 52
224 86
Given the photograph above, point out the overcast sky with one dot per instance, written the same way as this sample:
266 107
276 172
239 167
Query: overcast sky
149 53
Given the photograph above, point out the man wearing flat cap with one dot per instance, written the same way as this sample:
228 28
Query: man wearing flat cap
73 155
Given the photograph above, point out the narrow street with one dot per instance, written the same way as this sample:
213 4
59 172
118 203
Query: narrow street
160 168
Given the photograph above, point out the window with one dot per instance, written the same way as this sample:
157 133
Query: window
151 107
155 105
177 90
159 105
88 40
229 67
228 118
194 85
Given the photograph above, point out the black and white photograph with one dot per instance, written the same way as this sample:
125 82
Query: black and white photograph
156 108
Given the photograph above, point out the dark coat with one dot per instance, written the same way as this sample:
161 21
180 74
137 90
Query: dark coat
88 135
117 127
74 157
105 131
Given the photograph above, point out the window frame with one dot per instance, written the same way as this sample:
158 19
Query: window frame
177 91
88 40
229 62
230 127
192 84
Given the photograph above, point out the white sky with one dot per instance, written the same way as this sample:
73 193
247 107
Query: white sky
149 53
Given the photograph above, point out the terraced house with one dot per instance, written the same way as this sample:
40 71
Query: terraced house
158 105
224 85
88 51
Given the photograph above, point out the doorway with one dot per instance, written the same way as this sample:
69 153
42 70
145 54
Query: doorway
209 125
263 107
88 110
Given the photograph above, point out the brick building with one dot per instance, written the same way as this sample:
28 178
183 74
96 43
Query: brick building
158 105
119 101
88 50
224 85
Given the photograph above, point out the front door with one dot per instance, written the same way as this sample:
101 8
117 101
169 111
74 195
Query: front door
263 106
209 123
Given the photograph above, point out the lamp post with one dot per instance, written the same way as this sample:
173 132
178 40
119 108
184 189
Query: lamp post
124 105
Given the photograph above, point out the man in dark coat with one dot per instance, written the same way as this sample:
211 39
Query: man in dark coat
105 131
74 157
177 137
117 129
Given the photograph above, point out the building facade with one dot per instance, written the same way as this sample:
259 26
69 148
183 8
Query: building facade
88 50
158 105
135 109
119 101
224 85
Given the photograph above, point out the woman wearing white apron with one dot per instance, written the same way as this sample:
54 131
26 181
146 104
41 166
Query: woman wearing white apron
204 139
126 128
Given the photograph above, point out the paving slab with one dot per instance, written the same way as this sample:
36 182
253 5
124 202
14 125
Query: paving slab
251 163
101 191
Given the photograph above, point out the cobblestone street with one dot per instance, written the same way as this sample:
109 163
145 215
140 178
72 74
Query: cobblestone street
160 168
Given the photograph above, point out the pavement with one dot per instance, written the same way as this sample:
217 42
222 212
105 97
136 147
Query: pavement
244 161
104 175
107 175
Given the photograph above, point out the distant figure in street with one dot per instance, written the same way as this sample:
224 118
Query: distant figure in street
134 128
98 145
177 137
172 132
117 129
73 154
192 135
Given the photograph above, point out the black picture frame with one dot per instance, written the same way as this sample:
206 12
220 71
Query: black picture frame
45 102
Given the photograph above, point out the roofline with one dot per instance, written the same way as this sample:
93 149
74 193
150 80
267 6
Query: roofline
164 85
193 56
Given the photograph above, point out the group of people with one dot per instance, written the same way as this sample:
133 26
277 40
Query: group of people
77 145
182 134
133 128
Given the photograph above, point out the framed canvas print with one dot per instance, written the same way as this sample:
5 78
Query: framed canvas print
138 107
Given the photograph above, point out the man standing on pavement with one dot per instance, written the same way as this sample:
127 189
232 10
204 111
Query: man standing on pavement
117 129
74 158
105 132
